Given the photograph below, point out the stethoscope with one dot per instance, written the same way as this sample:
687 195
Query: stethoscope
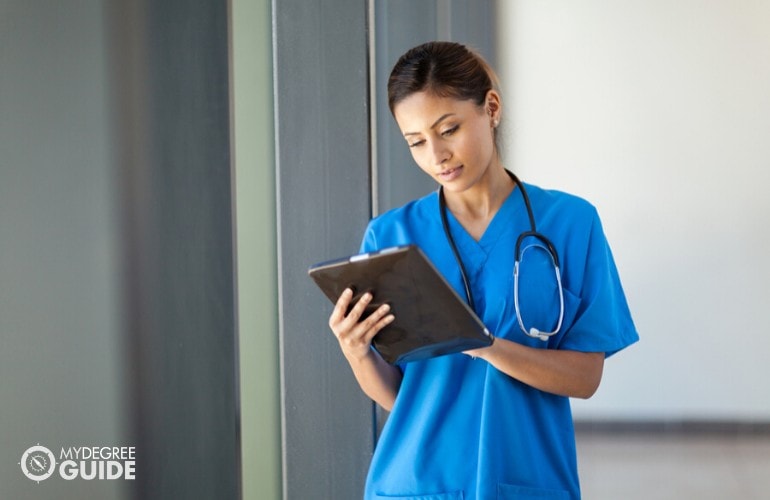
519 251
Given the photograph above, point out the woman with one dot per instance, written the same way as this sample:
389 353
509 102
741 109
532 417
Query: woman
493 423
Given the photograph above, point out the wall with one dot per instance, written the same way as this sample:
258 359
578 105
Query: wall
61 372
659 113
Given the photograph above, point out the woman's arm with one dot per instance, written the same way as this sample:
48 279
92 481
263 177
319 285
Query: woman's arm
378 379
567 373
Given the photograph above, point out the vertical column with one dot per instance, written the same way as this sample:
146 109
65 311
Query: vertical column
255 205
173 130
321 87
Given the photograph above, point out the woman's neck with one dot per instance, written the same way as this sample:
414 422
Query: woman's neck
484 198
475 207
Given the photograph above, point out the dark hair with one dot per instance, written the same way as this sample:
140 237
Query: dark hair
446 69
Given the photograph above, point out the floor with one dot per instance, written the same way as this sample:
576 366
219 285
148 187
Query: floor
663 466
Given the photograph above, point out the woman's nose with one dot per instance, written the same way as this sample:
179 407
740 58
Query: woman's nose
440 153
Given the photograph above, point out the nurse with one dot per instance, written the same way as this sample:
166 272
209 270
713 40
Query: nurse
493 423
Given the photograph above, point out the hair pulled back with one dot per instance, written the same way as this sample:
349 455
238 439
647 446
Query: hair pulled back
445 69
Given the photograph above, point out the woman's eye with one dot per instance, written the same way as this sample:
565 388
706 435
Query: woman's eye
416 143
450 131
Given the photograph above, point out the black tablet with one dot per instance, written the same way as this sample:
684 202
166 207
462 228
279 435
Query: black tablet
430 318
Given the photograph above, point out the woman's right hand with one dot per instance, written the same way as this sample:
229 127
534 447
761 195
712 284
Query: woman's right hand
354 335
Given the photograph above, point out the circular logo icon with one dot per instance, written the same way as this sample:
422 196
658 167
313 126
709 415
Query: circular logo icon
38 463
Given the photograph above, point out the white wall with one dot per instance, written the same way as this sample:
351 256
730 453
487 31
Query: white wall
658 112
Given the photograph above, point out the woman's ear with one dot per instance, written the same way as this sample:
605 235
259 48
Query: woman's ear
494 107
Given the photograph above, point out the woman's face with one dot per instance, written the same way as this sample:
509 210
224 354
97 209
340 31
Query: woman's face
451 140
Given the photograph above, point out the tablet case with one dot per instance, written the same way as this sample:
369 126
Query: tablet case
430 318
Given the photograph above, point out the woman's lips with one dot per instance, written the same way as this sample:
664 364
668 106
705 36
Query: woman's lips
450 174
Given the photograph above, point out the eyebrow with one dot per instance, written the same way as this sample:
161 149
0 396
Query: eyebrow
441 119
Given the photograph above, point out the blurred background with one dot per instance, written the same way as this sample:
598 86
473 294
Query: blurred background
169 170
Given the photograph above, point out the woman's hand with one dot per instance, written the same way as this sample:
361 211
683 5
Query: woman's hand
378 379
355 336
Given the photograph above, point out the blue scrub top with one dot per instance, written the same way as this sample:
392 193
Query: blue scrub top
461 429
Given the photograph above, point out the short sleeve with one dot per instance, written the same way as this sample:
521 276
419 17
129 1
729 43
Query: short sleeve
369 242
603 321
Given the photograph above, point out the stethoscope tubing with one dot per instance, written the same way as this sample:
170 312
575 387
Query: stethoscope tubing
550 248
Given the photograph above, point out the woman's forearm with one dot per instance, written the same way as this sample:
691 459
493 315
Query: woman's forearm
567 373
378 379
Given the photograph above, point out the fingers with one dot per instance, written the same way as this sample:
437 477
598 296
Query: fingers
351 324
355 335
380 324
358 309
338 314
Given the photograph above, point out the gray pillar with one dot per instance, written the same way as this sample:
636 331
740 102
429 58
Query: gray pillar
173 125
323 189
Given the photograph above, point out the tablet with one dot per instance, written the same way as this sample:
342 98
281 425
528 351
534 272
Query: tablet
430 318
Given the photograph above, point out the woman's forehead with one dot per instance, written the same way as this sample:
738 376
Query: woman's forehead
425 110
